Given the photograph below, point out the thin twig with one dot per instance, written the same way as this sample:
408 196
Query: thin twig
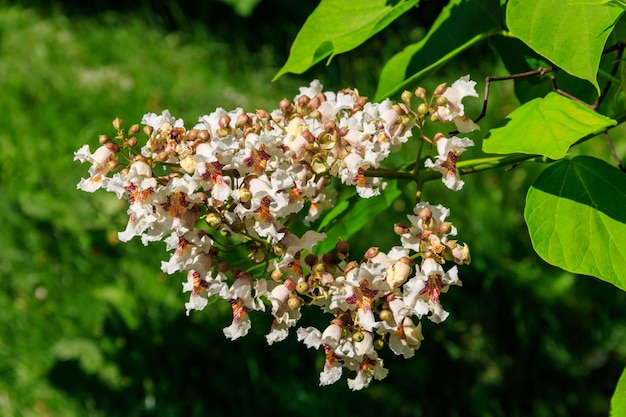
613 153
619 47
490 79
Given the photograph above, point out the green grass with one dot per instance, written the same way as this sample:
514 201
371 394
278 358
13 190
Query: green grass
89 327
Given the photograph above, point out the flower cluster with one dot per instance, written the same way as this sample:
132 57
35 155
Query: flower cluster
235 179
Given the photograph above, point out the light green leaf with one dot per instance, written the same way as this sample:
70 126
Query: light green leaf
576 217
460 25
354 213
337 26
618 402
570 33
546 126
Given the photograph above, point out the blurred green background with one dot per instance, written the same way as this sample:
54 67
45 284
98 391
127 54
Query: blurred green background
90 327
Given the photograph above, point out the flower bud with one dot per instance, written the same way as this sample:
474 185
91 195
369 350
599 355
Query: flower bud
442 101
262 114
102 139
224 121
132 142
303 101
290 285
117 123
277 275
294 303
134 129
371 253
311 259
358 336
420 93
245 195
302 287
422 109
406 96
341 249
440 89
214 220
400 229
444 228
285 106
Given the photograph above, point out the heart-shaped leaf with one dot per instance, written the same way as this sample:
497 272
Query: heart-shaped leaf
576 217
569 33
545 126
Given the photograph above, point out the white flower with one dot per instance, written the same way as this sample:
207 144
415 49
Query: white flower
454 109
449 151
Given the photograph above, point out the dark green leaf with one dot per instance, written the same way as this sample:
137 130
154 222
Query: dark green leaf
460 25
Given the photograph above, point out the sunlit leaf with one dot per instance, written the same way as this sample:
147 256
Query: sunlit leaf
546 126
576 217
618 401
460 25
569 33
337 26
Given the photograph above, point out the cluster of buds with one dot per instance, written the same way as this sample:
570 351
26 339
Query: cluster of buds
221 194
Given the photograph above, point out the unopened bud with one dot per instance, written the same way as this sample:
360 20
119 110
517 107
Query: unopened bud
243 120
422 109
406 96
371 253
290 285
302 287
277 275
379 344
117 123
224 121
400 229
311 259
214 220
294 303
102 139
262 114
148 130
442 101
358 336
285 106
420 93
444 228
341 249
134 129
245 195
441 88
132 142
303 101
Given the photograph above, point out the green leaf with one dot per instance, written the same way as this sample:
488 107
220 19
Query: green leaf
570 33
546 126
354 213
460 25
337 26
576 217
618 401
